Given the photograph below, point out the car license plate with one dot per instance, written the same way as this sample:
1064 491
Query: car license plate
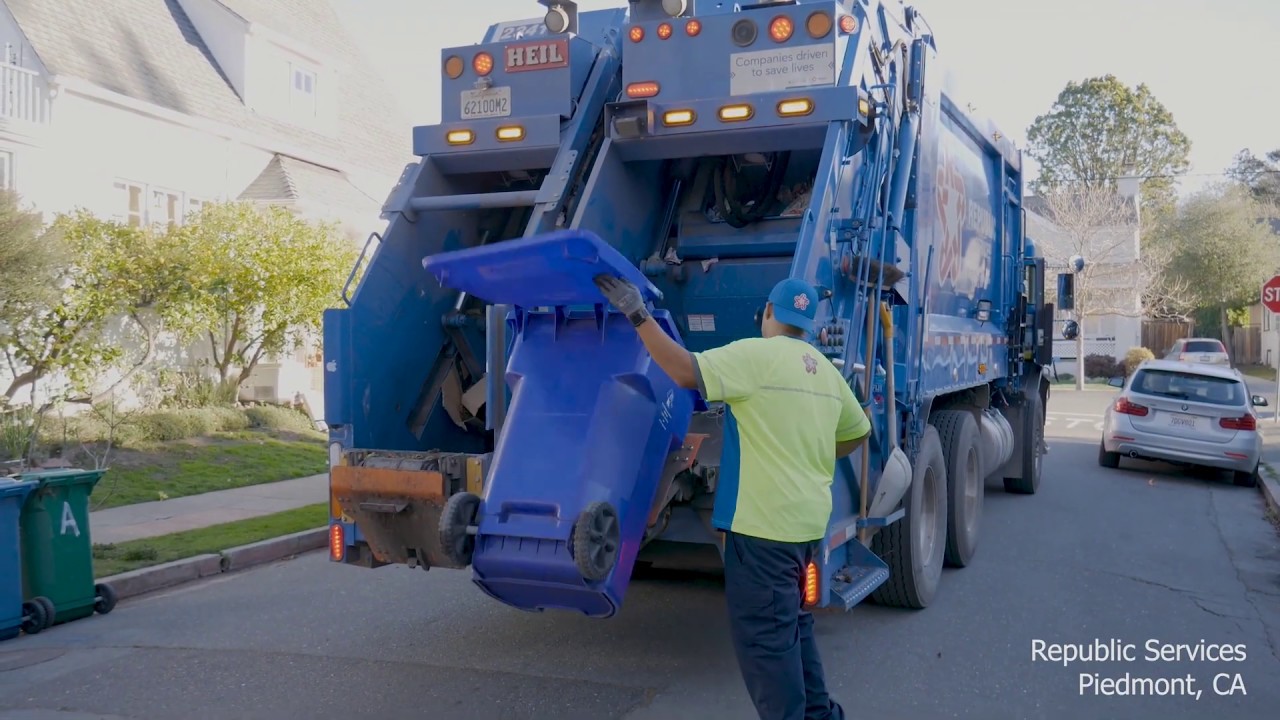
1183 422
488 103
1205 358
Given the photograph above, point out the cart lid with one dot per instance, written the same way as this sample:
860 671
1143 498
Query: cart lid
545 270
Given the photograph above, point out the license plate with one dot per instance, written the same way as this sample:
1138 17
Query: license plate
489 103
1184 422
1205 358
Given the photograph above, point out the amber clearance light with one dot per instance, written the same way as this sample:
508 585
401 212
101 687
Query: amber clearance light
636 34
811 584
848 24
482 63
336 543
510 133
664 31
818 24
453 67
692 28
736 113
460 137
642 89
677 118
781 28
793 108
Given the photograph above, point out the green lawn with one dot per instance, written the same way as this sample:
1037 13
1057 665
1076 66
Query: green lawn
162 471
123 557
1259 371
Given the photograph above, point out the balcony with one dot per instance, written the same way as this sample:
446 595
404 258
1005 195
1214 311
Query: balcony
24 96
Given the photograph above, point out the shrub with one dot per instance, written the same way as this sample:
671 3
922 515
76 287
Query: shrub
274 417
227 419
1066 377
1102 366
187 389
1135 357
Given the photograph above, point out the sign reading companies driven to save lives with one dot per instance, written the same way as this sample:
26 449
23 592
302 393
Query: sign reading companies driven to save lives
782 69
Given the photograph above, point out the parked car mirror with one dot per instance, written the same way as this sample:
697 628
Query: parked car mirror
1116 382
1259 401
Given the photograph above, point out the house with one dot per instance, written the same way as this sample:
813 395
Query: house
1106 234
143 110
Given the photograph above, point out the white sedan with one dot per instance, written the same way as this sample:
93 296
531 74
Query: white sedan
1186 414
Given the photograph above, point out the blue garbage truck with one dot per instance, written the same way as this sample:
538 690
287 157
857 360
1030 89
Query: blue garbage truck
490 412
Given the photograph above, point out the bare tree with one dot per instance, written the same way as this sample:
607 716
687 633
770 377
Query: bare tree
1119 276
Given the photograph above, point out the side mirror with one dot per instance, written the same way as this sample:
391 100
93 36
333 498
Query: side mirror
1118 382
1259 401
1066 292
1070 330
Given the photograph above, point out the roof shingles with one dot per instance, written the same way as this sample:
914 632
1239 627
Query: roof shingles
149 50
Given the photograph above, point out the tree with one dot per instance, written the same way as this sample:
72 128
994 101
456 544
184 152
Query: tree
110 271
1100 130
260 280
1260 174
1100 226
28 259
1223 248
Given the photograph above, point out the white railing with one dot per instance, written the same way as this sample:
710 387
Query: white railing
24 95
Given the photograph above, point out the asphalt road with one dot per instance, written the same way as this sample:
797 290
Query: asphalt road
1135 555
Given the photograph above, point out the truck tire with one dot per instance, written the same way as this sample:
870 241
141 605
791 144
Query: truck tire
1032 437
914 547
959 434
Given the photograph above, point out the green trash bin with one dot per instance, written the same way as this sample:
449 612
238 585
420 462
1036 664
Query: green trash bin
57 552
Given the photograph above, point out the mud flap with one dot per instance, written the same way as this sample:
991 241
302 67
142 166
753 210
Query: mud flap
398 511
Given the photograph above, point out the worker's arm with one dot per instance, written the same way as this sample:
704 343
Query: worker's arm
677 362
853 427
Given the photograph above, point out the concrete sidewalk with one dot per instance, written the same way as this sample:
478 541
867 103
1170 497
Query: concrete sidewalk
132 522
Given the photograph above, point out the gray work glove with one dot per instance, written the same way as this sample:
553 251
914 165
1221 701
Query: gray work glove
624 296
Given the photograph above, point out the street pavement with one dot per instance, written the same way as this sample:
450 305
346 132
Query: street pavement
1136 555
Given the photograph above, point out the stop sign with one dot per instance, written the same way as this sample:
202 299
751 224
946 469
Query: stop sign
1271 294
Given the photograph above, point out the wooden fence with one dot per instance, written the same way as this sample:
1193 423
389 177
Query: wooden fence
1246 345
1159 335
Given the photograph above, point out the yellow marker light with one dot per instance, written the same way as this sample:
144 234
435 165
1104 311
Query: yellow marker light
453 67
982 368
664 31
460 137
736 113
510 133
811 584
676 118
642 89
482 64
848 24
336 543
781 28
819 25
794 108
636 33
864 106
692 28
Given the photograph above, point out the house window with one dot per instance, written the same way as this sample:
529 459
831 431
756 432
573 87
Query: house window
166 207
6 170
138 205
302 95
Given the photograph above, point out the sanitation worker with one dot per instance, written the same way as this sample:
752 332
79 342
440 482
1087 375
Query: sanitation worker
790 415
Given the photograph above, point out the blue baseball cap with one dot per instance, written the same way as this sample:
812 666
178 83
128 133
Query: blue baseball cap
795 302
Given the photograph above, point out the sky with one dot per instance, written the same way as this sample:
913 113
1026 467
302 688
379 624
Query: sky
1213 63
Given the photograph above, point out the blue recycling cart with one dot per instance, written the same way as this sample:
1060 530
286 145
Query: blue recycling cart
30 617
591 422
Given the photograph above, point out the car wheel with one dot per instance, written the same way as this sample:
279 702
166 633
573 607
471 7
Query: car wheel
1245 479
1107 459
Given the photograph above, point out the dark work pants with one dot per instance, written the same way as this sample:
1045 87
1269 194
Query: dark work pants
772 635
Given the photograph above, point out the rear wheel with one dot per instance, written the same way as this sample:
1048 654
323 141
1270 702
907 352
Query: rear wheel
1107 459
1245 479
1032 437
959 434
914 546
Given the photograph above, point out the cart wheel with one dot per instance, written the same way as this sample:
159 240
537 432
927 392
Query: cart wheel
596 537
50 611
459 514
35 616
106 598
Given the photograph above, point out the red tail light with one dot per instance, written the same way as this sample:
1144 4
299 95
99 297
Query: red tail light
1248 423
1124 407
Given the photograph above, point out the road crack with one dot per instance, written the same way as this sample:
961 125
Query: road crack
1248 593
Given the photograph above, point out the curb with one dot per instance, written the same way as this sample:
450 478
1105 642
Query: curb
1270 489
158 577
